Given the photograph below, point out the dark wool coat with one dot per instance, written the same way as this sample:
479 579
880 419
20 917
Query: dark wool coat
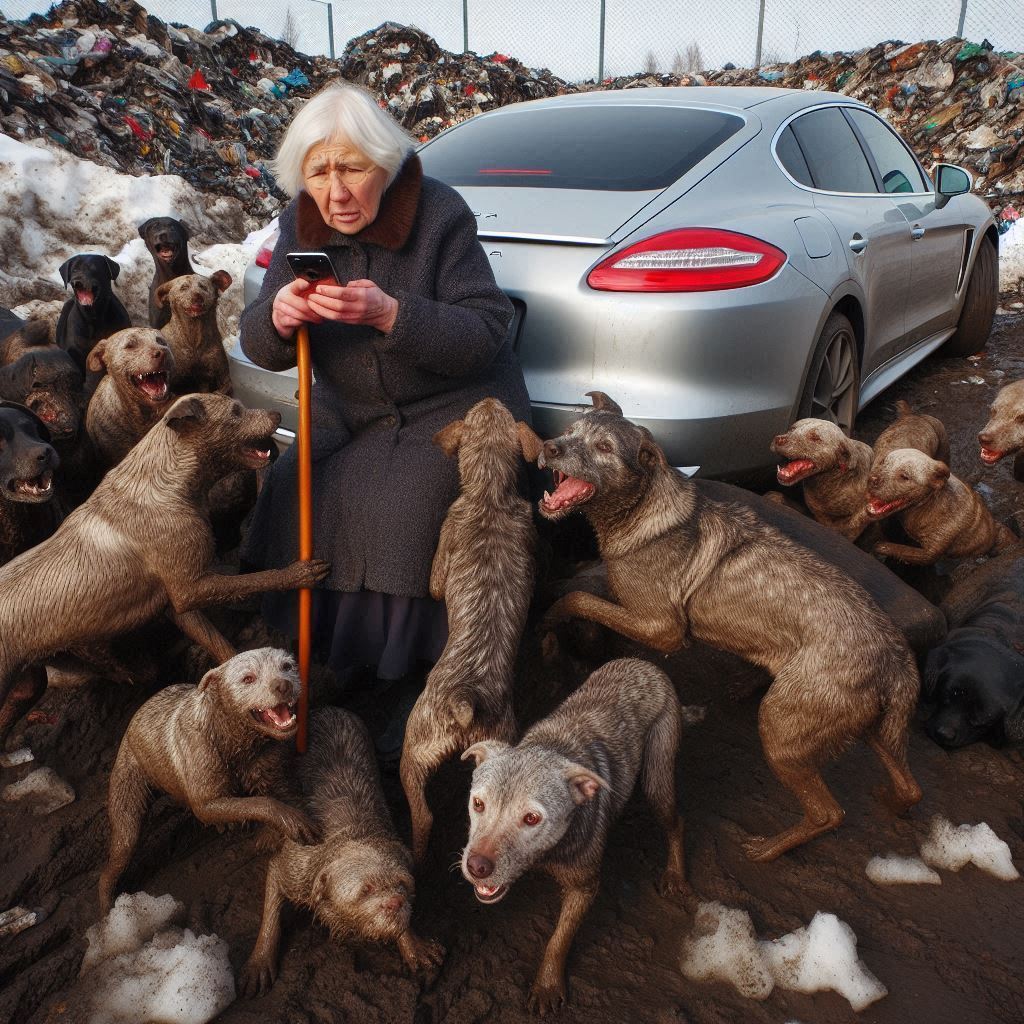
380 487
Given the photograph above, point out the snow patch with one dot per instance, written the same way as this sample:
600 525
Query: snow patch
44 788
893 869
724 947
132 922
1011 257
952 847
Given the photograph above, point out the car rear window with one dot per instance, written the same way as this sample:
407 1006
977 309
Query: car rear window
789 152
614 149
833 154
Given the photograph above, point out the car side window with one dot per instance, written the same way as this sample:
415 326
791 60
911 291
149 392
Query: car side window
898 169
792 158
833 153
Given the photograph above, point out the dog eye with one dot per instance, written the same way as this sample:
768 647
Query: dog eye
478 805
903 476
603 446
248 679
130 345
531 818
288 666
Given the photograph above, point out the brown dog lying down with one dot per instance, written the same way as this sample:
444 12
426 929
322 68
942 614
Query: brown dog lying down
357 879
200 362
834 470
1004 433
913 430
141 545
936 509
132 394
217 748
484 570
680 566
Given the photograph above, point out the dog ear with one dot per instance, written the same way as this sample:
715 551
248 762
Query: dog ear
65 270
186 413
529 443
449 438
479 752
96 361
221 280
186 231
650 455
583 783
602 403
144 226
940 474
113 267
211 677
162 292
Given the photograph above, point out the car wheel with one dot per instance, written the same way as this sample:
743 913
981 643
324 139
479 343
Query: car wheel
832 389
979 310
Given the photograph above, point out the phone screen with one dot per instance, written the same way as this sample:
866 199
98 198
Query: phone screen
312 266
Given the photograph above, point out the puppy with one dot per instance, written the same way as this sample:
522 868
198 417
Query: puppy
681 566
913 430
219 748
1004 433
484 570
834 471
357 880
201 364
167 242
95 312
549 801
132 394
936 509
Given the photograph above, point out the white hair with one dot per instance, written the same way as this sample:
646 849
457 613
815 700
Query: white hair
341 111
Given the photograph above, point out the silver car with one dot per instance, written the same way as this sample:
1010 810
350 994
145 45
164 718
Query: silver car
721 261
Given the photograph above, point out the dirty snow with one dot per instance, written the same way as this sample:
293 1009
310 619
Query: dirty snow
45 790
12 758
892 869
952 847
131 923
724 947
1011 257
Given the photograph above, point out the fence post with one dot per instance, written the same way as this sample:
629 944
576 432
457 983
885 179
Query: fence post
600 48
760 33
465 26
963 18
213 11
330 28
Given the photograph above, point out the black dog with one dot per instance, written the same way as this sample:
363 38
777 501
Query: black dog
27 462
974 681
167 242
47 381
95 312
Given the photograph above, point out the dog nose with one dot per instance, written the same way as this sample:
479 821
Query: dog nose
552 450
479 866
872 482
985 439
943 733
394 904
780 439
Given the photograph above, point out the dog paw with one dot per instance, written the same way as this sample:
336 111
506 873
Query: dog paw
300 828
256 978
423 955
546 997
309 572
673 885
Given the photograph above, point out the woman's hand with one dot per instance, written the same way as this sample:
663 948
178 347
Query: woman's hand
358 302
292 309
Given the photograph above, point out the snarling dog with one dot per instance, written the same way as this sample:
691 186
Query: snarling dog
357 879
549 801
682 567
220 748
1004 433
140 546
166 239
133 393
201 364
913 430
484 571
973 682
95 312
834 470
939 511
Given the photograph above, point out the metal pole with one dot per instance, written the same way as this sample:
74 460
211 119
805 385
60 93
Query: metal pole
760 33
303 442
963 16
213 10
465 26
330 28
600 48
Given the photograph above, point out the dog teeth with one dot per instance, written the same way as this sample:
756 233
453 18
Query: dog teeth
547 497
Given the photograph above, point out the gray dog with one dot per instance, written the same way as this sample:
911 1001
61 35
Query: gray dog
549 801
682 567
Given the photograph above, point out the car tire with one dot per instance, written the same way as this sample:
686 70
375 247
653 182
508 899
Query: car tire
832 388
980 302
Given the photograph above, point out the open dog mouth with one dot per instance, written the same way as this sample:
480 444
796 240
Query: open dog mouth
990 456
259 451
166 252
489 893
795 470
195 310
280 717
878 509
152 385
84 295
570 491
34 488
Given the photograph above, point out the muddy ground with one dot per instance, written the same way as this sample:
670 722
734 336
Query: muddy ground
949 954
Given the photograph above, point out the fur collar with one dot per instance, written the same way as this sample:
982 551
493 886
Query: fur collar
391 227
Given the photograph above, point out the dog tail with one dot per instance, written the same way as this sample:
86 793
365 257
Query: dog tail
904 409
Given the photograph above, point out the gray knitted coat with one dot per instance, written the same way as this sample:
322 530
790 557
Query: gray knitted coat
380 487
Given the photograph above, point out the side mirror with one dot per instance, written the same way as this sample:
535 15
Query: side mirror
950 181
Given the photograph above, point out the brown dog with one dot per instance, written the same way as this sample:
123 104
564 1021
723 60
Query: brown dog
913 430
834 471
936 509
132 394
200 362
141 545
484 570
680 566
29 336
1004 433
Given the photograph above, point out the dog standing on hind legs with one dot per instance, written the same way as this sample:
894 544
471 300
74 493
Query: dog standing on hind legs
484 570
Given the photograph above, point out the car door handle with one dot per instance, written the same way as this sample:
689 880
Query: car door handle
858 244
917 232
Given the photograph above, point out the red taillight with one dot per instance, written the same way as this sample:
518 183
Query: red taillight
688 260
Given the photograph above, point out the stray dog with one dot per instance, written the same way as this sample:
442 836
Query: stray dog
132 394
913 430
681 566
48 381
28 335
973 683
95 312
200 362
834 470
484 570
936 509
1004 433
217 748
549 801
357 880
141 545
167 242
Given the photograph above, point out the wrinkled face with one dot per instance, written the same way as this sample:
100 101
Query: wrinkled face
1004 432
192 295
48 382
165 238
140 361
89 276
345 184
809 447
228 435
904 478
261 687
27 460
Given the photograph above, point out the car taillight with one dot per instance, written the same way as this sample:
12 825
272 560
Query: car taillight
688 260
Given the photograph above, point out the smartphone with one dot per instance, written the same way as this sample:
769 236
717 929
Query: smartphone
311 266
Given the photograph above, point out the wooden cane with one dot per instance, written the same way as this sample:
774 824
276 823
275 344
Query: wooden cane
303 440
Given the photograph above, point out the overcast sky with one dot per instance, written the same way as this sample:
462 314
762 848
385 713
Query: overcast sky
564 36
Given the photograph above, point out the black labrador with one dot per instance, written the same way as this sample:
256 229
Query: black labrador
95 312
167 242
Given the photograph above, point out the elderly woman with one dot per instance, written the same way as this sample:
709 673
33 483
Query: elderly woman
413 333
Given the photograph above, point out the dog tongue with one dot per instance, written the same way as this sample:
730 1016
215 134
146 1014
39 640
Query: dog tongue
795 468
877 507
279 715
153 385
990 454
569 490
84 296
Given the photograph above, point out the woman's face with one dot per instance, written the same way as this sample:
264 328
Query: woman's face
345 184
